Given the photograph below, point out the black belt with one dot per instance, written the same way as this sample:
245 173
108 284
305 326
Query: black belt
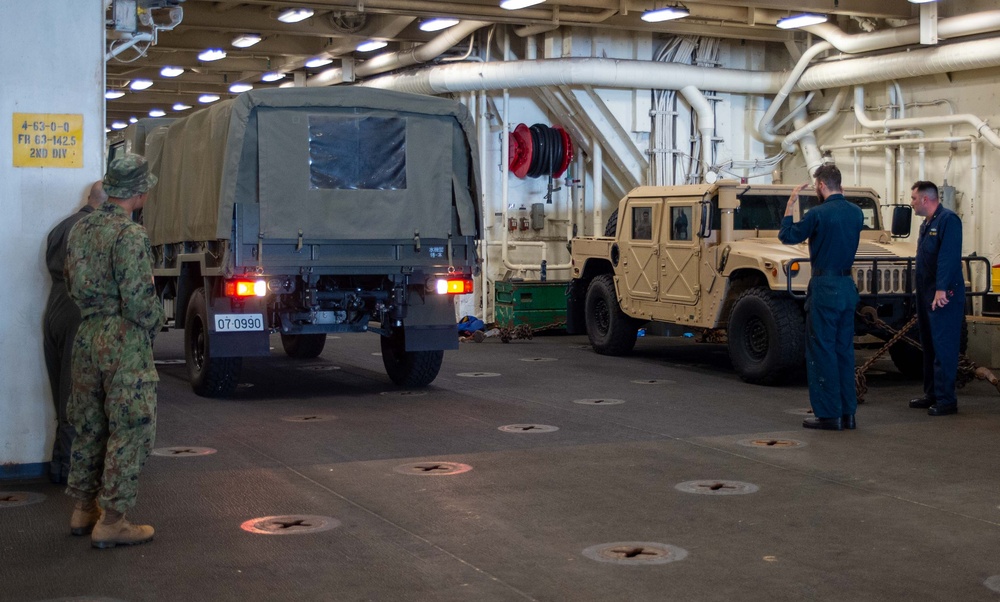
818 272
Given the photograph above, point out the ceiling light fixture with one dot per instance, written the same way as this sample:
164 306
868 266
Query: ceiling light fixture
180 106
119 125
240 88
294 15
157 112
517 4
132 119
208 98
801 20
922 1
319 61
438 23
212 54
371 45
140 84
665 14
170 71
246 40
113 94
272 76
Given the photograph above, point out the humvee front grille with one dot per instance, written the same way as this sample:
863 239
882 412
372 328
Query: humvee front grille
893 279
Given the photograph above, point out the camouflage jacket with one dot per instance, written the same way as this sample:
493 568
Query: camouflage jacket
109 270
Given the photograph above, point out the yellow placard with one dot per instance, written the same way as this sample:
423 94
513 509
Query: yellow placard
48 140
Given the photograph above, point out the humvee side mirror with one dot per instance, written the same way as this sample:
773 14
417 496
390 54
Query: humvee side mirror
705 229
902 218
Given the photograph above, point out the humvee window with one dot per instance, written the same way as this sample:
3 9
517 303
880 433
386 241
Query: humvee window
680 220
642 224
357 153
868 207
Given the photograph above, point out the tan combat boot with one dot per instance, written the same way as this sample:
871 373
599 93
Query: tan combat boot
113 530
85 516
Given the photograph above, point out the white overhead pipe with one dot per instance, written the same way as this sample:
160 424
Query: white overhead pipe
116 50
981 126
807 140
706 120
764 128
788 144
952 27
898 142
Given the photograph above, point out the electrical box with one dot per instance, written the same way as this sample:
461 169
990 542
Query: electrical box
126 18
948 196
537 216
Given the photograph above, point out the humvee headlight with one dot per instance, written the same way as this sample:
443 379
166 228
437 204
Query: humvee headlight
793 268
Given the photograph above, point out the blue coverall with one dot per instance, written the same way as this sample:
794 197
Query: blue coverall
939 268
834 230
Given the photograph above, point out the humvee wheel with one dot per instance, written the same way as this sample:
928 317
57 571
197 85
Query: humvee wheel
409 368
611 332
766 336
210 377
303 346
611 228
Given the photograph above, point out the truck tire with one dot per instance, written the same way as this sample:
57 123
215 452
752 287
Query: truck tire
611 228
210 377
611 332
766 336
910 361
303 346
409 368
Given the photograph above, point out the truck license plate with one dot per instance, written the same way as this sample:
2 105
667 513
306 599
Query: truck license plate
238 322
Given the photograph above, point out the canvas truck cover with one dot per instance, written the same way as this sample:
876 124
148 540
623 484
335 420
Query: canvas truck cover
345 163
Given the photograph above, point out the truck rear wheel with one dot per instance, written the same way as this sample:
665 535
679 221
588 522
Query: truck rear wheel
766 336
210 377
303 346
409 368
611 332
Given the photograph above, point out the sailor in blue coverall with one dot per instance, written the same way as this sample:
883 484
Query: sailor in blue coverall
940 298
834 230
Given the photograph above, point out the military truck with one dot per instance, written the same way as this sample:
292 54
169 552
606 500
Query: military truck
707 259
305 212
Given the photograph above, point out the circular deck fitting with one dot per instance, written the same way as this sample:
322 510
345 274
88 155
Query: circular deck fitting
169 362
12 499
320 368
182 452
433 468
655 381
528 428
635 552
993 583
290 524
478 374
404 393
772 443
717 487
332 336
539 359
310 418
800 411
599 401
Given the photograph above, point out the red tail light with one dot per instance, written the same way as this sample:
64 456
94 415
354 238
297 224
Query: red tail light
453 286
246 288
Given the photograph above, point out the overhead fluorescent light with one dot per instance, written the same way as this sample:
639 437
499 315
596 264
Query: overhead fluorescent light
157 112
180 106
294 15
318 61
119 125
516 4
287 85
801 20
170 71
113 94
246 40
208 98
272 76
371 45
140 84
665 14
240 88
437 24
212 54
922 1
133 119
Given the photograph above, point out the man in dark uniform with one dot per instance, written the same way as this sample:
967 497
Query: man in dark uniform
940 298
109 274
62 318
834 231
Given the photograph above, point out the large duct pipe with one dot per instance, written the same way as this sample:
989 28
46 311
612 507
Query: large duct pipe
952 27
981 126
706 121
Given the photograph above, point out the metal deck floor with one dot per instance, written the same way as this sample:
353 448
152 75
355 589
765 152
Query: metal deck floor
905 508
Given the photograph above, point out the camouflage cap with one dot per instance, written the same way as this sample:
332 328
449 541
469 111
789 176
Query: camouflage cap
128 176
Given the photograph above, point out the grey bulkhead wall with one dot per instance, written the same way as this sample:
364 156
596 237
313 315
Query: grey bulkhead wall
209 161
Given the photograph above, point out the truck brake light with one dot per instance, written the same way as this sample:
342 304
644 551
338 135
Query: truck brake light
246 288
453 286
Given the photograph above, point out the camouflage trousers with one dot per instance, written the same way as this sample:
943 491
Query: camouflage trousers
113 408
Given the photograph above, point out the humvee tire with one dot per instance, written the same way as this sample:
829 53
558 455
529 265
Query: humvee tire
910 361
409 368
210 377
303 346
610 331
766 336
611 228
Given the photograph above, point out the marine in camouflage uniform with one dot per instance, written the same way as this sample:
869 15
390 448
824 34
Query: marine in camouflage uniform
113 399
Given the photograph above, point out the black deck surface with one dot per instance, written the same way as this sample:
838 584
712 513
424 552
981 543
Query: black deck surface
905 508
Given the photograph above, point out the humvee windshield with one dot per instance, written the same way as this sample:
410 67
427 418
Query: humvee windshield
764 211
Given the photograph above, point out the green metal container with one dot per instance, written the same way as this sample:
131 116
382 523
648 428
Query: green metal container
537 304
